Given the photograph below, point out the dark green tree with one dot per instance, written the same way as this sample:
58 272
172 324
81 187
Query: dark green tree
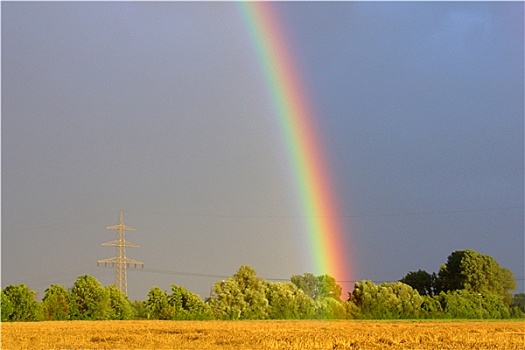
422 281
475 273
6 307
22 302
307 283
56 303
90 300
518 305
431 308
386 301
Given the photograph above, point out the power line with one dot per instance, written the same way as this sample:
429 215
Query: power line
415 213
205 275
436 212
181 273
59 223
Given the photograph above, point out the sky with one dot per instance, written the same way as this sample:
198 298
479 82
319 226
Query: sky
162 110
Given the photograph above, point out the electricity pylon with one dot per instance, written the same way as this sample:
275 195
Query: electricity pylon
120 262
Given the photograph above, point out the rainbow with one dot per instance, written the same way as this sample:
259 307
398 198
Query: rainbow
296 118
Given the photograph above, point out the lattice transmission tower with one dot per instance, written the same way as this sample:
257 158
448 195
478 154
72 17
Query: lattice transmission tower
120 262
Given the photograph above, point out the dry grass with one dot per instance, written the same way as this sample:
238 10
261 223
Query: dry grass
263 335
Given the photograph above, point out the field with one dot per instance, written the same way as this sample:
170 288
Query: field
263 335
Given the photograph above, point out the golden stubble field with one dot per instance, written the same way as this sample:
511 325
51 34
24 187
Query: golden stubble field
264 335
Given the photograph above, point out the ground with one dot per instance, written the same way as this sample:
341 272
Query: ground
480 335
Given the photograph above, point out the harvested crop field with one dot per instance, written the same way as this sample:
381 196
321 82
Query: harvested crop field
263 335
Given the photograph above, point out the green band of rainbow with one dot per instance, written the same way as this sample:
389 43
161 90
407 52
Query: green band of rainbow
326 239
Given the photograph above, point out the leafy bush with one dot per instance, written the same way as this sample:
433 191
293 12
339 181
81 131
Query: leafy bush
241 296
464 304
187 305
56 303
20 304
90 300
386 301
157 305
119 305
287 301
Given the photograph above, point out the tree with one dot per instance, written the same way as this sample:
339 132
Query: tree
287 301
476 273
518 305
319 287
22 304
327 287
386 301
90 300
140 311
241 296
188 305
157 305
226 300
329 308
431 307
119 305
307 283
464 304
6 307
56 303
421 281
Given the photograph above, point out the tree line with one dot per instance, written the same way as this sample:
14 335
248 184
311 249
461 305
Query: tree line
469 285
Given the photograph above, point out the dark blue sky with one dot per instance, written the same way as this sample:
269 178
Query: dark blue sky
161 110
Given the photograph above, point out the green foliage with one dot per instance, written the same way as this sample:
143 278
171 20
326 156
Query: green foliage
119 305
319 287
408 300
188 305
329 308
518 305
327 287
6 307
90 300
307 283
287 301
226 300
475 273
469 285
421 281
386 301
20 304
431 308
468 305
241 296
157 305
140 311
56 303
181 304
